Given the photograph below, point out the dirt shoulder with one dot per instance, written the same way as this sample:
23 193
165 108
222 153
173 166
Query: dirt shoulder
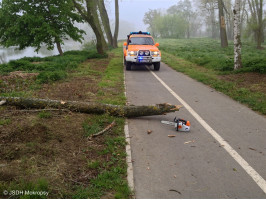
255 82
49 150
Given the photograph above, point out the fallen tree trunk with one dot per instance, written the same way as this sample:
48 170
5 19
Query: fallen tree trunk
91 108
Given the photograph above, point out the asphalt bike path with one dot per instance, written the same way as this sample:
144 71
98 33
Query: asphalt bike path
223 156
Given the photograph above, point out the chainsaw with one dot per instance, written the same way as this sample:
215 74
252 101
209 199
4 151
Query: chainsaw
179 124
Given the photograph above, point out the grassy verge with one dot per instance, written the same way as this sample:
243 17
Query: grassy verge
209 54
29 73
112 173
48 150
255 100
112 83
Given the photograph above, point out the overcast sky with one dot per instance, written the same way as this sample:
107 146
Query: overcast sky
133 10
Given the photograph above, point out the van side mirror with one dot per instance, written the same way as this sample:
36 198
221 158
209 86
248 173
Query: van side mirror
157 44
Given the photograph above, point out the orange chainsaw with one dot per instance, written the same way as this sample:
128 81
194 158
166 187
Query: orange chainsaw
179 124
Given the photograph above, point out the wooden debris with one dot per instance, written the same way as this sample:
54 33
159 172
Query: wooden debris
171 136
2 102
103 131
189 142
91 108
175 191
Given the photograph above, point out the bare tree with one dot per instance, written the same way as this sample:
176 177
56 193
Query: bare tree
243 14
213 22
256 9
116 24
208 8
112 40
229 19
223 35
105 21
89 12
237 36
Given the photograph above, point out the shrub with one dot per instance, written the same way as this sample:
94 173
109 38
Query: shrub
89 46
47 77
21 65
32 59
5 68
255 64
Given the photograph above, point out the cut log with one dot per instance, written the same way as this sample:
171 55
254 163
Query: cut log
91 108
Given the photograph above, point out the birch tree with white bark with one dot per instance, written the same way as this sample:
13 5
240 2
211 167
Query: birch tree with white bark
237 36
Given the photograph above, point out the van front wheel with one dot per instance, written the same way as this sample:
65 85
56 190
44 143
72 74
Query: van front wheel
156 66
128 66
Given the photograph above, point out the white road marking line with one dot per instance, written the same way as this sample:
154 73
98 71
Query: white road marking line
254 175
130 177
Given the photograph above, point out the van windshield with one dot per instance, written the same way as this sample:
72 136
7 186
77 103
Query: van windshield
141 41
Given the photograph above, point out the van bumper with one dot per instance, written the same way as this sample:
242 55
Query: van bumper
143 59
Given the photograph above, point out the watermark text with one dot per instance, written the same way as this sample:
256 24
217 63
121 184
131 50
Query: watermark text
25 192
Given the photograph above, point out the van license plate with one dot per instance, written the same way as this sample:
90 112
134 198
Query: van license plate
144 61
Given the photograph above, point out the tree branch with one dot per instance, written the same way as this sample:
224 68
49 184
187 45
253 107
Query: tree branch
103 131
95 108
81 10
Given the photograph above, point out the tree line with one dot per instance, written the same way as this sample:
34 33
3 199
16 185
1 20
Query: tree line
34 23
176 22
211 18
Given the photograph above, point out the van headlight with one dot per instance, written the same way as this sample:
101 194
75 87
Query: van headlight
132 53
155 53
147 53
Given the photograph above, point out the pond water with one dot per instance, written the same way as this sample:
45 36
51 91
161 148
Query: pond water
11 53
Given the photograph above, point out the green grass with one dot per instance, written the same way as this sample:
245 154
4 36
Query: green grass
112 83
4 122
96 123
94 164
209 54
45 115
49 69
112 173
52 68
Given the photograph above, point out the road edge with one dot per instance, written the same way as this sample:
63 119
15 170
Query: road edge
130 177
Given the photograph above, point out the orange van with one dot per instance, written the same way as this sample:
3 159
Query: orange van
140 48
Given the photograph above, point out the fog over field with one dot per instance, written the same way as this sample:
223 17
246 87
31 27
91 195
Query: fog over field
133 11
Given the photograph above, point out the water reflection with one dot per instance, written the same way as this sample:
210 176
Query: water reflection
11 53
